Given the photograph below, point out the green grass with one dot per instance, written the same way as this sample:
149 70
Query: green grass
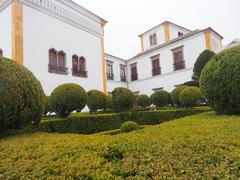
199 146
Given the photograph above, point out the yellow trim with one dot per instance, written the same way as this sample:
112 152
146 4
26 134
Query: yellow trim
142 43
103 62
166 31
17 31
208 41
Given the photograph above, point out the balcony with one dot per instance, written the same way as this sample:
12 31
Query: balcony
79 73
123 78
179 65
134 77
110 76
57 69
156 71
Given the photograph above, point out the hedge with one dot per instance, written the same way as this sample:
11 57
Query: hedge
97 123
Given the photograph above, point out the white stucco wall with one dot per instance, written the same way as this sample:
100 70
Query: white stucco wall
192 47
42 32
6 31
216 42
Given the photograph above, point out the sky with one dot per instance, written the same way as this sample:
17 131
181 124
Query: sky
129 18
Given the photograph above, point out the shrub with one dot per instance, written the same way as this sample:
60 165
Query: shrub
220 81
47 108
175 95
160 98
190 97
96 100
201 61
21 96
129 126
67 98
143 100
103 122
123 99
109 102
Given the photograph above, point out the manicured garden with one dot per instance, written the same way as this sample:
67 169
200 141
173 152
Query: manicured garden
199 146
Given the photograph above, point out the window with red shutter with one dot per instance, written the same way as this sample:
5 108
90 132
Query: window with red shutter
110 75
156 69
178 59
123 73
57 62
134 74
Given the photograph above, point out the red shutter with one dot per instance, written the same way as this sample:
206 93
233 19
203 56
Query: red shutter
61 59
53 57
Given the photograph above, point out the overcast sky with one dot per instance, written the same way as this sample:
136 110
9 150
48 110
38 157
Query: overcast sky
129 18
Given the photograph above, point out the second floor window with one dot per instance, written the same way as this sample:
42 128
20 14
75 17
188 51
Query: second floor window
79 66
153 39
123 73
57 62
156 69
1 53
178 59
134 74
110 70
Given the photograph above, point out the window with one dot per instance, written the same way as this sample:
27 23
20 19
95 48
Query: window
156 69
79 66
1 53
153 39
134 75
123 73
180 34
178 60
57 62
110 70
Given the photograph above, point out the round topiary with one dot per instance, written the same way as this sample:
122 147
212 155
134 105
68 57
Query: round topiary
96 100
109 102
143 100
67 98
175 95
190 97
129 126
160 98
201 61
220 81
21 96
123 99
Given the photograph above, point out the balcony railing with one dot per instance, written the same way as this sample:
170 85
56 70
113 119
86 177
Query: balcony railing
79 73
179 65
156 71
134 77
123 78
57 69
110 76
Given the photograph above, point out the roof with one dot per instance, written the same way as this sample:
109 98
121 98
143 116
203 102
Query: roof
115 57
81 7
191 33
162 24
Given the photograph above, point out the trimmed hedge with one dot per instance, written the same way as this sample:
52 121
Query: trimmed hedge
175 95
220 81
160 98
96 100
129 126
21 96
143 100
97 123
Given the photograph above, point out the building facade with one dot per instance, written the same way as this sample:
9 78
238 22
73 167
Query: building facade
168 53
62 42
58 40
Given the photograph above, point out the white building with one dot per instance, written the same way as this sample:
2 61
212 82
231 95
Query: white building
62 42
58 40
168 53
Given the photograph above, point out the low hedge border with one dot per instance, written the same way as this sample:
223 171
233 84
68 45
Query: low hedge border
97 123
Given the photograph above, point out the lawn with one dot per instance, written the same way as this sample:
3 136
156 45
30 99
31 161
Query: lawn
204 145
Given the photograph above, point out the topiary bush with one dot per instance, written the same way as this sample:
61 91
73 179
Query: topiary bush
21 96
143 100
123 99
67 98
96 100
201 61
220 81
175 95
190 97
129 126
160 98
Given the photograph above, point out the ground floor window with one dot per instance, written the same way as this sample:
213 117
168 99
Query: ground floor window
79 66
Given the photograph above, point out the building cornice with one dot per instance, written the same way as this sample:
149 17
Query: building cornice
4 4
